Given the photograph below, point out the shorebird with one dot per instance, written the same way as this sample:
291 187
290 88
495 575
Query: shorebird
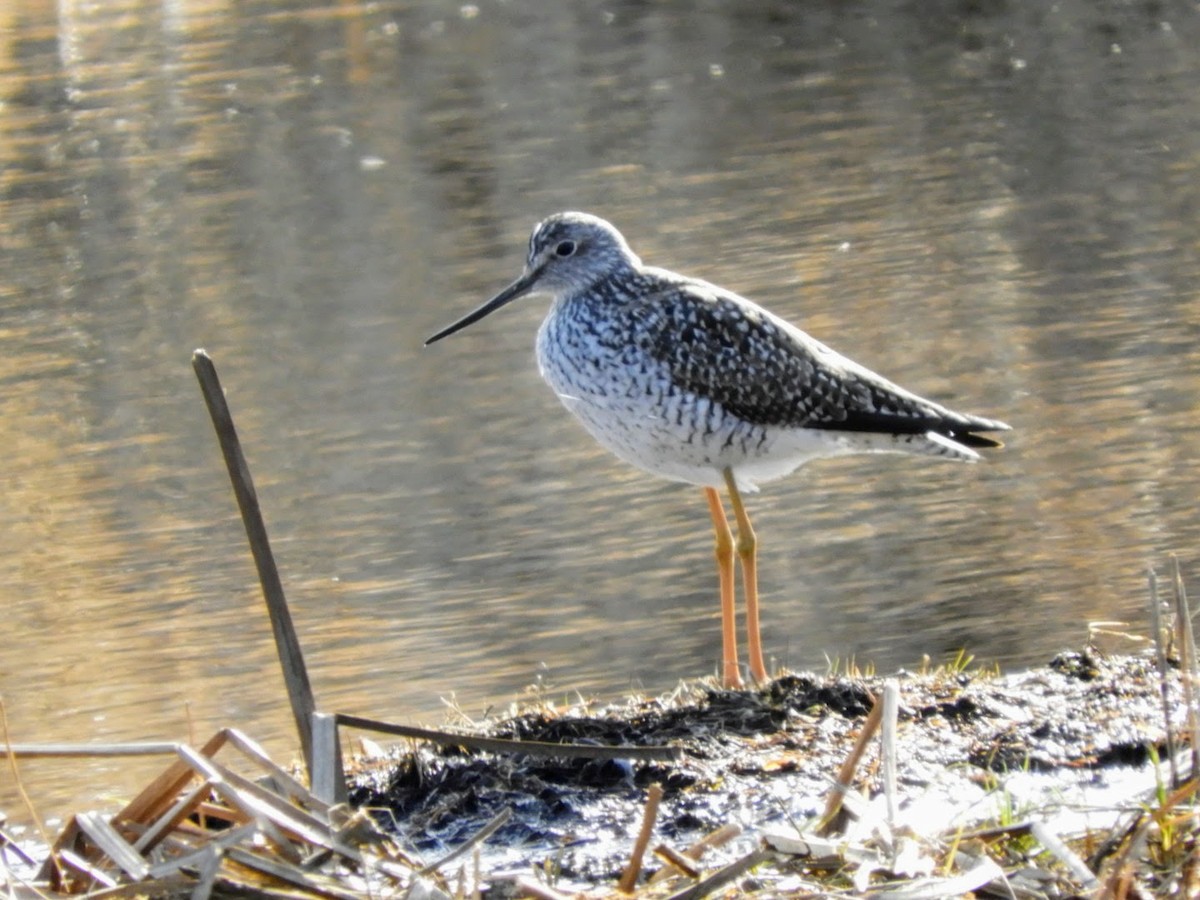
694 383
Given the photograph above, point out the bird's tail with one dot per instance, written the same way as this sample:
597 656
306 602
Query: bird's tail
967 434
960 438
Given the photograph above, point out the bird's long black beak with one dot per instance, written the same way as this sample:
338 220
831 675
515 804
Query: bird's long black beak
521 286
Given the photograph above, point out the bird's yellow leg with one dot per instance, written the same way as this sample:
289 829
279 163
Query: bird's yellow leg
730 676
747 549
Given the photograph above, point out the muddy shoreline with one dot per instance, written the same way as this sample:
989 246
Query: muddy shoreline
1069 744
1059 781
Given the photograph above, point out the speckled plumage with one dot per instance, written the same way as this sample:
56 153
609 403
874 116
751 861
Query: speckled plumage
684 378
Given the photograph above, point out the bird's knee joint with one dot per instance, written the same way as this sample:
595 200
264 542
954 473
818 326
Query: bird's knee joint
724 546
747 544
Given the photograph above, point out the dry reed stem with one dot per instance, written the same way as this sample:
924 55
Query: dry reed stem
16 773
291 657
724 876
887 750
845 775
297 839
682 864
327 776
629 877
1064 854
1187 663
1160 656
7 843
696 850
508 745
471 843
1122 866
60 749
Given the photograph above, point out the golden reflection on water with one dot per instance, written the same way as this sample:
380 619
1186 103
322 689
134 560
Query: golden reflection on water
993 211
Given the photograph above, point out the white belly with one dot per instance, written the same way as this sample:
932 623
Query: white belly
691 441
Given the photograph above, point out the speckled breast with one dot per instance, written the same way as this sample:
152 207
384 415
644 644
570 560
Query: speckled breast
627 400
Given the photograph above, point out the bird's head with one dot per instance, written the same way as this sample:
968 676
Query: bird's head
569 252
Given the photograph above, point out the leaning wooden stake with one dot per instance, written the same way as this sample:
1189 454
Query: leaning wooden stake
295 675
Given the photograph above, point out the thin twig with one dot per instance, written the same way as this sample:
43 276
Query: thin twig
16 773
1116 883
649 814
1064 854
474 841
1160 655
845 775
680 862
291 658
696 850
1187 661
722 877
8 842
65 749
1016 829
506 745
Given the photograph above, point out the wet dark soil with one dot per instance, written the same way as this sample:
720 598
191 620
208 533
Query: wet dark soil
968 744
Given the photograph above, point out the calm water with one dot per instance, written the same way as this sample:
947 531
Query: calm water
996 206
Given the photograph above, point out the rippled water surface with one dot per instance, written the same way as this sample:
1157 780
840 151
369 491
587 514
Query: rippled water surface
994 204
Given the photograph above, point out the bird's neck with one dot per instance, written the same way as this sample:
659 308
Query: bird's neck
615 288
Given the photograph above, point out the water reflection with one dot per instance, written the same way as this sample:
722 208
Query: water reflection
993 205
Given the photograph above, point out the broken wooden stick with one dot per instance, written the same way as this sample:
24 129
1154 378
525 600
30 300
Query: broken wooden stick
291 658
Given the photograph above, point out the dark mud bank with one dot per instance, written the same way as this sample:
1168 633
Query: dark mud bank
1066 742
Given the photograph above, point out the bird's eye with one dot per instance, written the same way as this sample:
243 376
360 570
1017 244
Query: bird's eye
564 248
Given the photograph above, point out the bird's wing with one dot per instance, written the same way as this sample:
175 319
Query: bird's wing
768 372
